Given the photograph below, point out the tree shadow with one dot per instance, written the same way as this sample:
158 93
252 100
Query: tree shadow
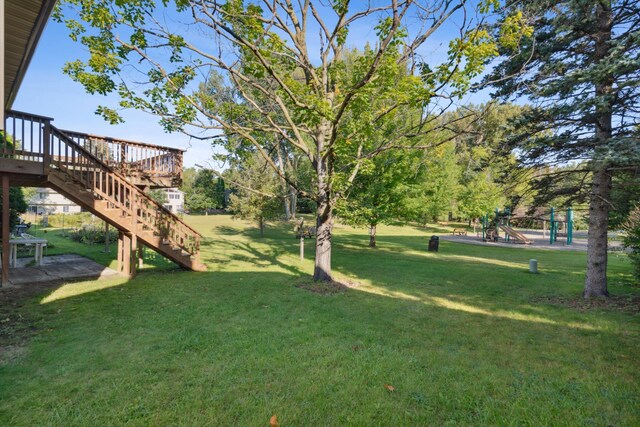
268 254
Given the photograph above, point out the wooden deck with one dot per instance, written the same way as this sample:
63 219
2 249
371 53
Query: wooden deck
106 176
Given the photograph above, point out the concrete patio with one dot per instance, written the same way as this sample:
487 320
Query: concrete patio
57 268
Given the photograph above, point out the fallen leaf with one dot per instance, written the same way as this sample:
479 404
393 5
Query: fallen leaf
273 422
389 387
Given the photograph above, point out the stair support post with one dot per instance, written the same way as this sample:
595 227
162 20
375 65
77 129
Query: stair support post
5 231
133 261
140 256
127 248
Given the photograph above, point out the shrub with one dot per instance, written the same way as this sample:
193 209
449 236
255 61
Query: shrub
631 240
73 220
91 234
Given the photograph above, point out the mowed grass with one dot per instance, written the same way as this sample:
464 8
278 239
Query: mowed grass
460 335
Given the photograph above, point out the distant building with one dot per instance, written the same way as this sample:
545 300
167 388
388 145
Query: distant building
175 200
47 201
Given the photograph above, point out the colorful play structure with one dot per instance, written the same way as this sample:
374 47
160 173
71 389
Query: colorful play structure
501 221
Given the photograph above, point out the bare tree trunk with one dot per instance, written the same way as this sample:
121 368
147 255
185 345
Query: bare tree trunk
324 228
324 216
261 224
596 278
283 182
372 235
293 198
287 209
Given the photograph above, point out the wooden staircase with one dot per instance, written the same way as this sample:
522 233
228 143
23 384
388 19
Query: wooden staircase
105 190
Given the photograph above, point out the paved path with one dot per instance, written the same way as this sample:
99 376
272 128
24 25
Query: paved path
58 268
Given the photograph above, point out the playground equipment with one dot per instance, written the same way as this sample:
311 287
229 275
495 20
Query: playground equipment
554 225
502 221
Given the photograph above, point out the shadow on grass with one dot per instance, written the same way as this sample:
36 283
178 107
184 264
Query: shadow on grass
467 280
246 252
203 341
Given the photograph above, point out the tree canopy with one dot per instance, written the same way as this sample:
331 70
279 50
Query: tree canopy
275 80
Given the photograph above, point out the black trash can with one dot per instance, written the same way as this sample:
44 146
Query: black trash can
434 242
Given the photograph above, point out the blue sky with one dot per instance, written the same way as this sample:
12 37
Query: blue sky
48 92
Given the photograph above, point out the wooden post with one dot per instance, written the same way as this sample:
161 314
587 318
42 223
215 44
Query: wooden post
124 254
300 227
120 250
46 146
140 256
133 262
5 231
301 247
106 237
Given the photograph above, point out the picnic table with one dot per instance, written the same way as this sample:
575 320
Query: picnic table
39 245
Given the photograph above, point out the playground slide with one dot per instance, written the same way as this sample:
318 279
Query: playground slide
519 237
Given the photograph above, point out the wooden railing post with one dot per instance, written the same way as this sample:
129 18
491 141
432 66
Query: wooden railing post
5 231
46 145
123 154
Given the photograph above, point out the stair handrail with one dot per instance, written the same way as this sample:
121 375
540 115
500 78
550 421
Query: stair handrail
178 232
87 153
67 139
168 216
72 133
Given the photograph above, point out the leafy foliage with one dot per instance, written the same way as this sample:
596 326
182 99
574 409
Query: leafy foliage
255 194
266 88
159 196
203 190
631 239
92 234
17 206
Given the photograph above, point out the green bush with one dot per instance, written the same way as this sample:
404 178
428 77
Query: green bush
91 234
631 240
73 220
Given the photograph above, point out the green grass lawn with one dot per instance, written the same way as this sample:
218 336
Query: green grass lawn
57 244
465 336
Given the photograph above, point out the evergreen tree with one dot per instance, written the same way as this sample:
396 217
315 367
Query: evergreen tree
578 63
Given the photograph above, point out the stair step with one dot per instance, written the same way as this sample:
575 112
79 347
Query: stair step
66 181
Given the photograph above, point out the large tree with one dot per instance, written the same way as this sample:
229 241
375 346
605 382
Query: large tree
256 192
379 193
434 195
580 70
287 56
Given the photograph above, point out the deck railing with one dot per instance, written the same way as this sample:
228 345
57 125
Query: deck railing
132 157
33 138
23 136
23 140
